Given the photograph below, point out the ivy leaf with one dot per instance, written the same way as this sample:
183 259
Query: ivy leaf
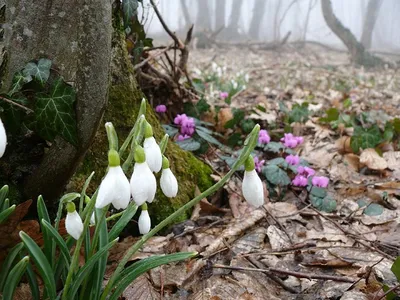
276 175
202 106
18 81
12 114
234 139
332 114
54 112
238 115
373 210
365 138
247 125
129 8
40 71
189 144
274 147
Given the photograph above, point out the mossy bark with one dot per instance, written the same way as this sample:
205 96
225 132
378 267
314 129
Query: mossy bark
123 105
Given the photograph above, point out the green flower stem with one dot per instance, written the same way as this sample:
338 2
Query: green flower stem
250 144
75 257
95 238
115 216
112 136
142 112
129 160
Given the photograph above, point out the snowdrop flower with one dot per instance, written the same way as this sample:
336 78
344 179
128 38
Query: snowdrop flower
320 181
143 183
73 222
300 180
219 71
197 71
144 220
292 159
252 187
115 186
214 67
92 219
168 182
161 108
234 84
3 139
152 150
246 77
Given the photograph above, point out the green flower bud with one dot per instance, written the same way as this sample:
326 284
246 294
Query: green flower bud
70 207
139 155
249 164
165 162
148 130
113 158
144 206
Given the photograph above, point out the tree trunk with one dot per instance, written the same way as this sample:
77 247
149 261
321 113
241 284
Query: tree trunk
186 14
357 51
96 58
220 14
256 19
203 18
311 4
81 50
370 21
234 18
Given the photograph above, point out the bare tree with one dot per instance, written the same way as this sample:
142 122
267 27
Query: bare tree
357 51
311 5
235 14
276 21
203 18
370 21
220 7
258 14
186 14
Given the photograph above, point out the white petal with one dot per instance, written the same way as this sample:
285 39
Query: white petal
252 188
3 139
144 222
114 189
74 225
143 184
153 154
168 183
92 219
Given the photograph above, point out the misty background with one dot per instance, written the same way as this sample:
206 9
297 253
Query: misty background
272 20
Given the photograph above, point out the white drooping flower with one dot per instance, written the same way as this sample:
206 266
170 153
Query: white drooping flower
144 222
252 187
73 222
153 154
152 149
168 182
3 139
92 219
143 183
115 186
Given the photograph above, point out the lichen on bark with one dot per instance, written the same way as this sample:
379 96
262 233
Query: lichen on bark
123 106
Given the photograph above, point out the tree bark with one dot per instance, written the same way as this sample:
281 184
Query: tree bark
256 19
203 18
69 34
370 21
357 51
220 14
234 17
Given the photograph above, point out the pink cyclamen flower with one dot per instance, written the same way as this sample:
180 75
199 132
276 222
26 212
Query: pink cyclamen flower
263 137
179 119
300 180
223 95
292 159
161 108
258 164
305 171
320 181
188 126
291 141
183 137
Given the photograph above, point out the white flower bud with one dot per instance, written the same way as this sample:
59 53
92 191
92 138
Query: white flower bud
168 183
144 222
73 224
114 189
153 154
92 219
143 184
3 139
252 188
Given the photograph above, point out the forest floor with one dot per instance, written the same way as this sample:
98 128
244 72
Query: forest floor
288 249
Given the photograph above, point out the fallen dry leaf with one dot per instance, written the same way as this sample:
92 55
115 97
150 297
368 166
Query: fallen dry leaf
372 160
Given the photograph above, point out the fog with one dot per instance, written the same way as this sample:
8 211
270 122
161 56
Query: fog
271 20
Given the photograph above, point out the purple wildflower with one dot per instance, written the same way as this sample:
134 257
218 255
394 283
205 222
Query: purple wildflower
292 159
300 180
183 137
188 126
258 164
223 95
161 108
179 118
305 171
263 137
320 181
291 141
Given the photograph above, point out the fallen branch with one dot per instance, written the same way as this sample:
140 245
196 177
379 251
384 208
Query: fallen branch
143 62
28 110
285 272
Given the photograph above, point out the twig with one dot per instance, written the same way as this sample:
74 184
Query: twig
164 25
285 272
389 291
142 63
28 110
366 275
